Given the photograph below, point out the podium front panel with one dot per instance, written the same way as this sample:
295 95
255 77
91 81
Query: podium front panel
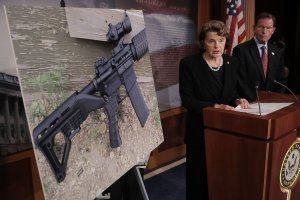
240 167
235 166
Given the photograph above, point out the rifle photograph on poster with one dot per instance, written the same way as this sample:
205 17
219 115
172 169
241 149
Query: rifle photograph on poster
88 92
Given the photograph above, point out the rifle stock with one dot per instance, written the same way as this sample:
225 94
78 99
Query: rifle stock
66 119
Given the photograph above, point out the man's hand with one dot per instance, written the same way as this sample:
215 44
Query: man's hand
223 106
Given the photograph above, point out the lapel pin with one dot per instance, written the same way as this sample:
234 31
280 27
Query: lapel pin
272 53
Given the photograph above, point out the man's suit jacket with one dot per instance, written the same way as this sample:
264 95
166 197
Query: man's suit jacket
197 91
251 70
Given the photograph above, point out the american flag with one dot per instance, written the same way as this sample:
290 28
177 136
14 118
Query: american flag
235 23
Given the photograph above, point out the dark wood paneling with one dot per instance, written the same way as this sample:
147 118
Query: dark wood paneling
159 159
19 178
204 12
296 41
173 125
16 176
173 147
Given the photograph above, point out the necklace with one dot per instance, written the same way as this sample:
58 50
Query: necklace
215 69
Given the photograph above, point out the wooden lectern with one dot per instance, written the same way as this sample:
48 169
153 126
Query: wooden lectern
244 152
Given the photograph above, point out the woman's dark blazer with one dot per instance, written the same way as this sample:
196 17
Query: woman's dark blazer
197 92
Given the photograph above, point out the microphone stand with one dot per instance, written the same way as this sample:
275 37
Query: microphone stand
258 101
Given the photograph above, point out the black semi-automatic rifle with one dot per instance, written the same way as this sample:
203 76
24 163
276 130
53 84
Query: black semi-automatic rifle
111 74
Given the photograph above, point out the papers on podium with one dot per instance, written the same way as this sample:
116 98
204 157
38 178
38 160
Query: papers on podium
266 108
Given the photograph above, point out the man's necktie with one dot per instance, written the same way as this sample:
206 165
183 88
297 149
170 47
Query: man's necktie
264 59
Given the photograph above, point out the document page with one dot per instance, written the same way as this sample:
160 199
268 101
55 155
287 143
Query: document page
266 108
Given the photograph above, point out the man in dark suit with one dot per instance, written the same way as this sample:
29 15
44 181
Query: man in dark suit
261 62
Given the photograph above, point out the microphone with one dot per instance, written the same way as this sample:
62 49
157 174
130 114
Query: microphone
286 87
257 97
284 74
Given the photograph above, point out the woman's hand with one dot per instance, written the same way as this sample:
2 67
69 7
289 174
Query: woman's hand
243 102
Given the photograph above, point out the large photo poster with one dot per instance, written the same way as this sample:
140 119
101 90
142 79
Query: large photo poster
91 105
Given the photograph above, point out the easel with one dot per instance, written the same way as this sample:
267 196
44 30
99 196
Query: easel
129 186
137 170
